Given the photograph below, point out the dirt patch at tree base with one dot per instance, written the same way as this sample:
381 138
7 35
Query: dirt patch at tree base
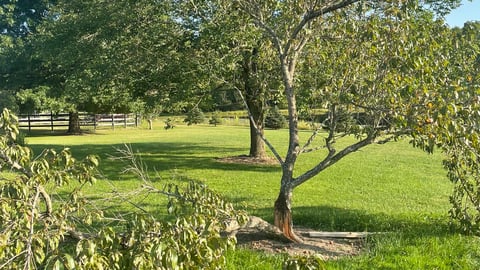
244 159
326 248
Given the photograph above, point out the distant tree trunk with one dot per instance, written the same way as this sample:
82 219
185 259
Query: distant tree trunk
257 145
73 123
150 124
255 99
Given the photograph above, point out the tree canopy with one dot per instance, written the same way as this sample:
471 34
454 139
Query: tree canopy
110 57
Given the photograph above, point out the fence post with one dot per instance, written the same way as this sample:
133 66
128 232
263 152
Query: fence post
125 120
94 122
29 124
51 120
113 121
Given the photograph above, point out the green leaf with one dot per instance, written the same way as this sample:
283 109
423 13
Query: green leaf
69 262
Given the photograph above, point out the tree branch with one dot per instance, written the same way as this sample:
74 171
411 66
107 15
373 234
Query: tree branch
260 23
332 159
29 249
313 14
14 164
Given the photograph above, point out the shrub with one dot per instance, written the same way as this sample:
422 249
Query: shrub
275 119
169 124
195 116
215 119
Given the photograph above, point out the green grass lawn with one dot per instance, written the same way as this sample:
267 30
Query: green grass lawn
387 188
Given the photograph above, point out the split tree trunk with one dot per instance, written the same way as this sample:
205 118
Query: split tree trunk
283 214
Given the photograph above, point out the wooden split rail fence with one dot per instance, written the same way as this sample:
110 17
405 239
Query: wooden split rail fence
53 120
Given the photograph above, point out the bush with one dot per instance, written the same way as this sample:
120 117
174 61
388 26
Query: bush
215 119
275 119
169 124
195 116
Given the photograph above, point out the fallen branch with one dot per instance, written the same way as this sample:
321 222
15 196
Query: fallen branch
347 235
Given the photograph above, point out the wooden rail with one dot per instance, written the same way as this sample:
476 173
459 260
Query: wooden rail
52 120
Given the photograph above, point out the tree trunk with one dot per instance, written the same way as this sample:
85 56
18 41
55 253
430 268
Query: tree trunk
255 99
283 214
73 123
150 124
257 145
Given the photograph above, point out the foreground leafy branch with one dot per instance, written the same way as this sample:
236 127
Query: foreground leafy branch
41 230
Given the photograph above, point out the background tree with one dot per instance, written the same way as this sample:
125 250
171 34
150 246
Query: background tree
19 21
275 119
235 57
215 119
388 71
93 48
112 57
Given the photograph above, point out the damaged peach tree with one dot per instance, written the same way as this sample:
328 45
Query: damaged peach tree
44 227
373 65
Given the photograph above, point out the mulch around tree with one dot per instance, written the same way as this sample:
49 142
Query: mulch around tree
326 248
244 159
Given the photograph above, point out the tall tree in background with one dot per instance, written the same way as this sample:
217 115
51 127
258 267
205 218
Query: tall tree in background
18 70
113 57
236 56
104 55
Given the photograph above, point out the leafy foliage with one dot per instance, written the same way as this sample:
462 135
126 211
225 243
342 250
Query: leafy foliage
31 228
195 116
453 125
215 119
304 262
275 119
40 231
169 124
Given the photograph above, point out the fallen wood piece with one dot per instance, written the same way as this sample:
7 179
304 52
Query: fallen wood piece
349 235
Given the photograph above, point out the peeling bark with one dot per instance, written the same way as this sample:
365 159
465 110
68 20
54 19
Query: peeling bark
283 216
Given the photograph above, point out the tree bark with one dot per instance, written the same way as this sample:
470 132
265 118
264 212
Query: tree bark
283 205
73 123
257 145
283 214
255 99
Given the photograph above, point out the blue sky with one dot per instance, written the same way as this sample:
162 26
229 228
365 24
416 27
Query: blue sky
469 11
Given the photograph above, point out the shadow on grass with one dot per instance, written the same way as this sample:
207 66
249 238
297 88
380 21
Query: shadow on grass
161 157
56 132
